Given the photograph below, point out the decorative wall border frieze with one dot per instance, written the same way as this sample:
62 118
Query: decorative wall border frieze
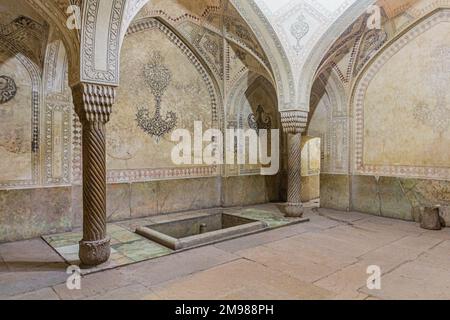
146 175
58 134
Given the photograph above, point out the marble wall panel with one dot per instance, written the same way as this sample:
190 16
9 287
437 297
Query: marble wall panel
365 195
335 191
31 213
245 190
394 201
189 194
118 202
144 199
398 198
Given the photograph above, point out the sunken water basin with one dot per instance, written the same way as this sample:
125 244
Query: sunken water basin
193 232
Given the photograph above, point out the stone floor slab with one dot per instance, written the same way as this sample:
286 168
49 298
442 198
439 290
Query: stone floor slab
43 294
254 282
94 285
132 292
20 282
295 264
415 281
171 267
30 254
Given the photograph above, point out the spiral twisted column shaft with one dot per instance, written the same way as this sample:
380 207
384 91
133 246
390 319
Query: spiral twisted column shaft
93 104
294 124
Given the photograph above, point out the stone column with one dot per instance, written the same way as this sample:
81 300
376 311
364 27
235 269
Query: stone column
294 124
93 104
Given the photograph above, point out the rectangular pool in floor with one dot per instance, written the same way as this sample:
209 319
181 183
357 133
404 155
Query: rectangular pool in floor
193 232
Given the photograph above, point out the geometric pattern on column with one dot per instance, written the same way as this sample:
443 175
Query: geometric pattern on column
294 121
93 104
294 124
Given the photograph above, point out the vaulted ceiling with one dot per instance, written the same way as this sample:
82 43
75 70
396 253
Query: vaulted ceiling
293 35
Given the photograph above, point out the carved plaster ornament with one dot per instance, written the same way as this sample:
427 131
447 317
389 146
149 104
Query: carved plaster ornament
158 78
260 121
299 30
8 89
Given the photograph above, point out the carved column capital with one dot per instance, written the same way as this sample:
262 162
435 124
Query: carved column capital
294 121
93 102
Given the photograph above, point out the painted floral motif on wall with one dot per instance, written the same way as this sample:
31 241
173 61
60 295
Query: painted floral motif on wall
8 89
260 120
157 77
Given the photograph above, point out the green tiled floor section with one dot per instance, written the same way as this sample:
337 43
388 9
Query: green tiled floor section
273 219
126 247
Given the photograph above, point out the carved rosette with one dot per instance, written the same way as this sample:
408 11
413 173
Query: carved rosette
294 124
93 104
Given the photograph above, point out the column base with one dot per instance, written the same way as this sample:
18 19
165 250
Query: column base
94 253
294 210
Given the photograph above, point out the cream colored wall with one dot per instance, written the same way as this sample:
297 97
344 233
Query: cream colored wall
250 93
16 124
401 124
398 133
310 168
406 113
129 146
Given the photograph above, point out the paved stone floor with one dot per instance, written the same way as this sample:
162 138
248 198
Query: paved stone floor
326 258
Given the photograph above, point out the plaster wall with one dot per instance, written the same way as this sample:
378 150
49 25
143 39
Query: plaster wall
40 136
16 124
397 134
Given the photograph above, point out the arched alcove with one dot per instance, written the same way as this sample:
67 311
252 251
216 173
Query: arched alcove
382 103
